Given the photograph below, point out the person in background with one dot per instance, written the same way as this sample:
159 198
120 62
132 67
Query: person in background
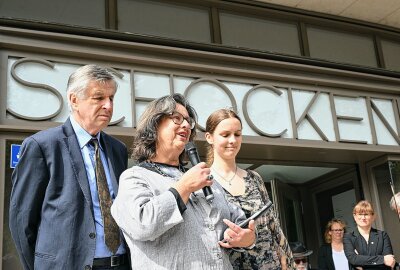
55 216
300 255
331 254
246 189
368 247
164 215
395 203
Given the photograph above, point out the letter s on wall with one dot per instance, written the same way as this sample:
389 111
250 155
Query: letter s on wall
35 85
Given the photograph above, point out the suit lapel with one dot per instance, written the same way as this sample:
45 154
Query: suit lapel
109 153
77 162
374 240
330 258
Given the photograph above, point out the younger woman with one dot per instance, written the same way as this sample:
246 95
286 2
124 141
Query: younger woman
246 189
367 247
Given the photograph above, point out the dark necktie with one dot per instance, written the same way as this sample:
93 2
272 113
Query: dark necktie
111 230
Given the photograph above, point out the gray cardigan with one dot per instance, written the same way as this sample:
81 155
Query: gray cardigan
159 236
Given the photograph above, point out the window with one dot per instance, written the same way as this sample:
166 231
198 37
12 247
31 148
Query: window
164 20
386 175
88 13
259 34
391 54
341 47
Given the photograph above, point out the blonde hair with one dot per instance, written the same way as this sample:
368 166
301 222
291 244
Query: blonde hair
328 228
363 207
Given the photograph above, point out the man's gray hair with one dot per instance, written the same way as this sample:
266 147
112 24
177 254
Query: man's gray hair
80 79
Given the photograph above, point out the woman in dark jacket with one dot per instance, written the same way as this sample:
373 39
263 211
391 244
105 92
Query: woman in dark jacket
367 247
331 254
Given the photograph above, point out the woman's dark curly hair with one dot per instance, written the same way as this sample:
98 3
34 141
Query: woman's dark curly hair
145 138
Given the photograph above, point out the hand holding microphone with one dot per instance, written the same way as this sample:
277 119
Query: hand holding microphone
191 151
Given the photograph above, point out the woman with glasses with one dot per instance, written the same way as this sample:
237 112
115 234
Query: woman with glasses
160 206
331 254
367 247
246 189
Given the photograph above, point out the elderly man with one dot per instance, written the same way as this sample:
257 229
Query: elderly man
65 181
300 255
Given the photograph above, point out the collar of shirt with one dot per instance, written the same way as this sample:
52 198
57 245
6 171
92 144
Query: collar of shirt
82 135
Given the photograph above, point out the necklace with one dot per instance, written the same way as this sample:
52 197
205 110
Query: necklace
164 169
223 178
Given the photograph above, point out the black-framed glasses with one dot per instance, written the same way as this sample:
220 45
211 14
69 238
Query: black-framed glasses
178 118
337 230
301 260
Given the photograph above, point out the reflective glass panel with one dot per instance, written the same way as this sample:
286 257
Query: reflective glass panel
90 13
164 20
391 54
259 34
341 47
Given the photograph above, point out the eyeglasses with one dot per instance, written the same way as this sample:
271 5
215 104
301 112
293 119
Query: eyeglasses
298 261
178 118
364 214
337 230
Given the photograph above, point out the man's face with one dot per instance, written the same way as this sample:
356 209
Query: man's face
301 263
94 110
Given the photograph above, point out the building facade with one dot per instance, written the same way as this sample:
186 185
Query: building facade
319 97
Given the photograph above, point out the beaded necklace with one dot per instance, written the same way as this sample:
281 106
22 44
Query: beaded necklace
165 169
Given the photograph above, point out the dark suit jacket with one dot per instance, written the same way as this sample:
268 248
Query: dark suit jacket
325 259
370 256
51 214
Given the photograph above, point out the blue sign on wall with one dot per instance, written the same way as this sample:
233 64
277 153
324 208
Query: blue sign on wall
14 155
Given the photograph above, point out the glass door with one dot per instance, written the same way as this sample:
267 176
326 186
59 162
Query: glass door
385 180
288 206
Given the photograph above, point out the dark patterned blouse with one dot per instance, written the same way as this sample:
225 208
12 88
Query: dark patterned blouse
271 242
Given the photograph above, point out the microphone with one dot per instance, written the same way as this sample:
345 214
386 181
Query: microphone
191 151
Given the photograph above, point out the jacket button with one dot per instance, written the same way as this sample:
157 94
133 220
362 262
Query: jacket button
88 267
92 235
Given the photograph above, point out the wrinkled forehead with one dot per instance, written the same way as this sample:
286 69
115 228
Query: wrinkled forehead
181 109
101 87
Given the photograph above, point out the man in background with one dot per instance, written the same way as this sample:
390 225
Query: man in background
300 255
65 181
